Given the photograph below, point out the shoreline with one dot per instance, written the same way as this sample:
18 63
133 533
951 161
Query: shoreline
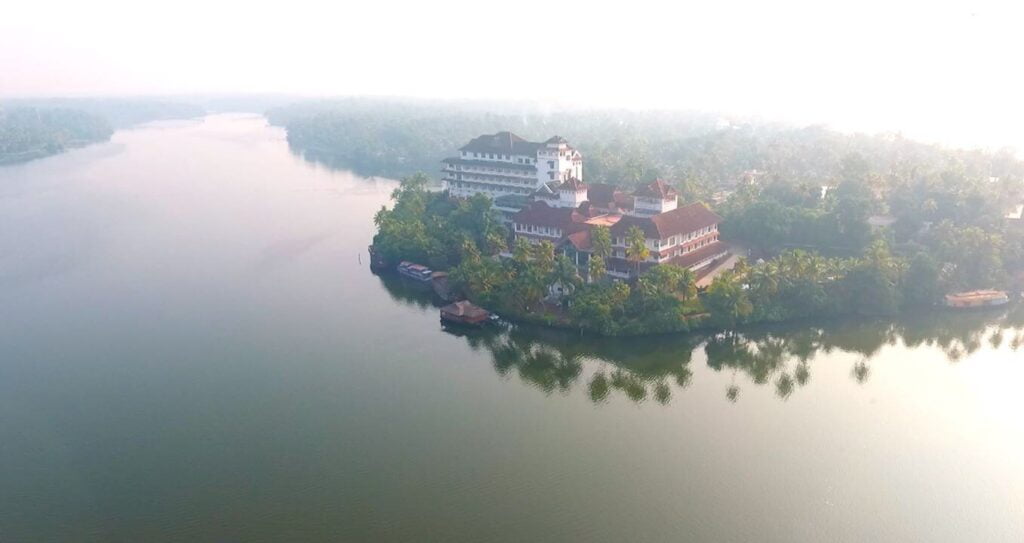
538 323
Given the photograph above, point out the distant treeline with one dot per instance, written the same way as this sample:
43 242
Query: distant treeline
118 112
31 129
28 133
700 153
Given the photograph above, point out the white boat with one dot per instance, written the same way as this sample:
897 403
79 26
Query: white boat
416 272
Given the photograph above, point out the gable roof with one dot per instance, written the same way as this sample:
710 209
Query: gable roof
656 189
545 191
505 143
541 214
681 220
573 184
581 240
556 139
627 222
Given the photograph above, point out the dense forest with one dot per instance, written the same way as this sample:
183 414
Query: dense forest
27 133
700 153
118 112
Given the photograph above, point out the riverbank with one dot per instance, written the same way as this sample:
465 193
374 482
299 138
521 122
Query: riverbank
35 154
35 129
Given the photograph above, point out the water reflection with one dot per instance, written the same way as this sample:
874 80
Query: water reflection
659 368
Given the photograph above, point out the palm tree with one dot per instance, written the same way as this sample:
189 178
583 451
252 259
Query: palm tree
565 274
763 280
636 247
687 286
596 268
601 241
544 257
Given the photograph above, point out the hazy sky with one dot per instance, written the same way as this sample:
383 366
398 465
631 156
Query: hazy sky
938 70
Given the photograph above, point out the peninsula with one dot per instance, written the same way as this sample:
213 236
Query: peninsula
522 234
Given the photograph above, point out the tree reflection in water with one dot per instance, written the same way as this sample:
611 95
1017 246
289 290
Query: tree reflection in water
658 368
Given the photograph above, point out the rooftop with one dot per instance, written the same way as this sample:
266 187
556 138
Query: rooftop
541 214
656 189
681 220
505 143
572 184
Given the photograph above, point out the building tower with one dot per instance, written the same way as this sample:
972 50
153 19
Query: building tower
655 198
571 193
558 161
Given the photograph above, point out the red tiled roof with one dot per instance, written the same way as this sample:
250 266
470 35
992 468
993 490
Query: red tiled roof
581 240
681 220
541 214
710 250
657 189
627 222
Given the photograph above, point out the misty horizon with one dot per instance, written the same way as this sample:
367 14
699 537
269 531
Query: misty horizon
933 73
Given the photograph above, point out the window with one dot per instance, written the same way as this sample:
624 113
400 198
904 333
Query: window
551 164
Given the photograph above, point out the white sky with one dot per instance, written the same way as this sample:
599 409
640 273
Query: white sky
949 71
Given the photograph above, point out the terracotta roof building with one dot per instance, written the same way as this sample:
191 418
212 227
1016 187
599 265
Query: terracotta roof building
682 236
539 188
685 236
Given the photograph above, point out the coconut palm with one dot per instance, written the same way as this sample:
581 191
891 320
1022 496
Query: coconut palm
564 273
596 268
636 247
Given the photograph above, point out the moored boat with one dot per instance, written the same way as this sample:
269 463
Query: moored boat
417 272
465 313
977 298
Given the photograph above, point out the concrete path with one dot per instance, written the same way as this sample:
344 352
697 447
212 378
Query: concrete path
736 252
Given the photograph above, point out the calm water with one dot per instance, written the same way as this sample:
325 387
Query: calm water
193 349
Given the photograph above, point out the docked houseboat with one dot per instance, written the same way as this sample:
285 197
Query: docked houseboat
417 272
977 298
464 313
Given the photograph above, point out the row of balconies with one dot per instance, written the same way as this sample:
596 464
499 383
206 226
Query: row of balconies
661 245
463 186
482 169
491 179
499 157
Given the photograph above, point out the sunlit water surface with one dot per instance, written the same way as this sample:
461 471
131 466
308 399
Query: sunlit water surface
193 349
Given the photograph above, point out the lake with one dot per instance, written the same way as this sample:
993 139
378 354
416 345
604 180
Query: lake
192 348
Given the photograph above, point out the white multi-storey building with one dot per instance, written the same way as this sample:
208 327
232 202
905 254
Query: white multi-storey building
503 163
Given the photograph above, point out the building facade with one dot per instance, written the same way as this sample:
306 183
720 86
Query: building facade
505 164
685 236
